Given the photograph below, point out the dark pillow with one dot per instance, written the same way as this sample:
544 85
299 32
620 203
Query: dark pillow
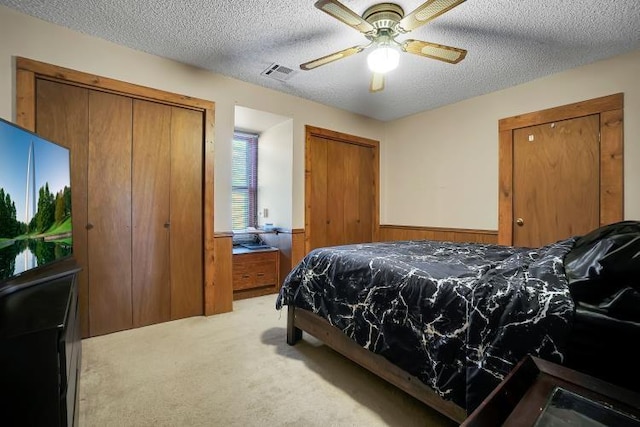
604 261
623 261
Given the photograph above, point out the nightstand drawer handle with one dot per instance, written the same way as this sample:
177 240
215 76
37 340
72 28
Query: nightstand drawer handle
245 276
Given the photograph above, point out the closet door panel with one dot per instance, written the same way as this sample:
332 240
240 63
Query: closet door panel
151 180
62 116
366 196
186 240
109 212
336 192
341 190
351 194
316 176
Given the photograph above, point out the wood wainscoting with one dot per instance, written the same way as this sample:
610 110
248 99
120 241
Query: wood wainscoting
407 232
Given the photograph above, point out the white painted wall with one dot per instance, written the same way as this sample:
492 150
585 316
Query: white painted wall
32 38
275 184
440 167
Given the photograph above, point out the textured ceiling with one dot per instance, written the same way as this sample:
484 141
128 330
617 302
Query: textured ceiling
508 42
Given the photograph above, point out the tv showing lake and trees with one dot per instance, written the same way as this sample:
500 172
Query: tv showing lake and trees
35 201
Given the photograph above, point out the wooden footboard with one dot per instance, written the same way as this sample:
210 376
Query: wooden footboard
299 320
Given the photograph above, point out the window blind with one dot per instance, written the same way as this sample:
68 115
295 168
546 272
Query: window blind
244 181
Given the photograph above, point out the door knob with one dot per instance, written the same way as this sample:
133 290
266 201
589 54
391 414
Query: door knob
520 222
89 226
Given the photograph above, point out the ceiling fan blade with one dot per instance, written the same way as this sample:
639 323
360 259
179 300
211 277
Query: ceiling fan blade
377 82
344 14
426 12
331 57
449 54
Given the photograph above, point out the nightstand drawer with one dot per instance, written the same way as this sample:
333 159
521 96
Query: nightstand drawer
265 272
245 280
253 270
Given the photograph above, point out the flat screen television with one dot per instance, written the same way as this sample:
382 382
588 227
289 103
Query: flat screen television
35 204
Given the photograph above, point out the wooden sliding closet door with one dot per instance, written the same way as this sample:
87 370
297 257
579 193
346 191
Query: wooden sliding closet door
109 212
101 195
349 193
338 187
341 189
137 195
317 235
142 207
359 195
62 115
151 179
167 213
186 213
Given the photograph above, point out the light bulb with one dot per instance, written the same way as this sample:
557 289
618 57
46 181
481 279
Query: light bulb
383 59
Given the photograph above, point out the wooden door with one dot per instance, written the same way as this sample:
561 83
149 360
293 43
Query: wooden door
556 180
337 187
62 116
110 188
365 197
109 212
341 189
611 157
186 242
350 200
317 183
151 178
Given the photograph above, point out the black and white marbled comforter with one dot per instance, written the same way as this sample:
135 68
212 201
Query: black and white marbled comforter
457 316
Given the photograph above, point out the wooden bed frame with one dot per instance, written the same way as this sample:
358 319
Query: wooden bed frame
299 320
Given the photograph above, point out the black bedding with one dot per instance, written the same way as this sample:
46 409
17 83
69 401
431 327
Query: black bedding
457 316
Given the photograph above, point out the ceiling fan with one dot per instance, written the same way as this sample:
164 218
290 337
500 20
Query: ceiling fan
381 24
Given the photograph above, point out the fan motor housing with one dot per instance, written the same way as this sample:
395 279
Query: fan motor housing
384 16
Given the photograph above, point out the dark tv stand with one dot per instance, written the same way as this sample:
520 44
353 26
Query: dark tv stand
40 349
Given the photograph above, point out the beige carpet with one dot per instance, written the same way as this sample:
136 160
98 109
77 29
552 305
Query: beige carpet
234 369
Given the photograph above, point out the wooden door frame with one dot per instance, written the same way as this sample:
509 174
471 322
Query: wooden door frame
610 109
28 71
312 131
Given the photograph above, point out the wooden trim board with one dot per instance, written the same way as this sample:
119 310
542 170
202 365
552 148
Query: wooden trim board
405 232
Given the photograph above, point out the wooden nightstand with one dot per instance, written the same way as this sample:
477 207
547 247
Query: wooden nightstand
542 393
255 273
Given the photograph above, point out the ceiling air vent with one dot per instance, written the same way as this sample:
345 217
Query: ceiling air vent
278 72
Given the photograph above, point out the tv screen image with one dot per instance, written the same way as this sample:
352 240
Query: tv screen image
35 201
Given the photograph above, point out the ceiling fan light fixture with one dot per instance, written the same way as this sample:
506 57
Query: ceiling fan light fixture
383 59
381 24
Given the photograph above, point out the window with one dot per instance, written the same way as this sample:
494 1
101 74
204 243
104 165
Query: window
244 181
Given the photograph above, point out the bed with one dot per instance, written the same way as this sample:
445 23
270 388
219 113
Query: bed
446 321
